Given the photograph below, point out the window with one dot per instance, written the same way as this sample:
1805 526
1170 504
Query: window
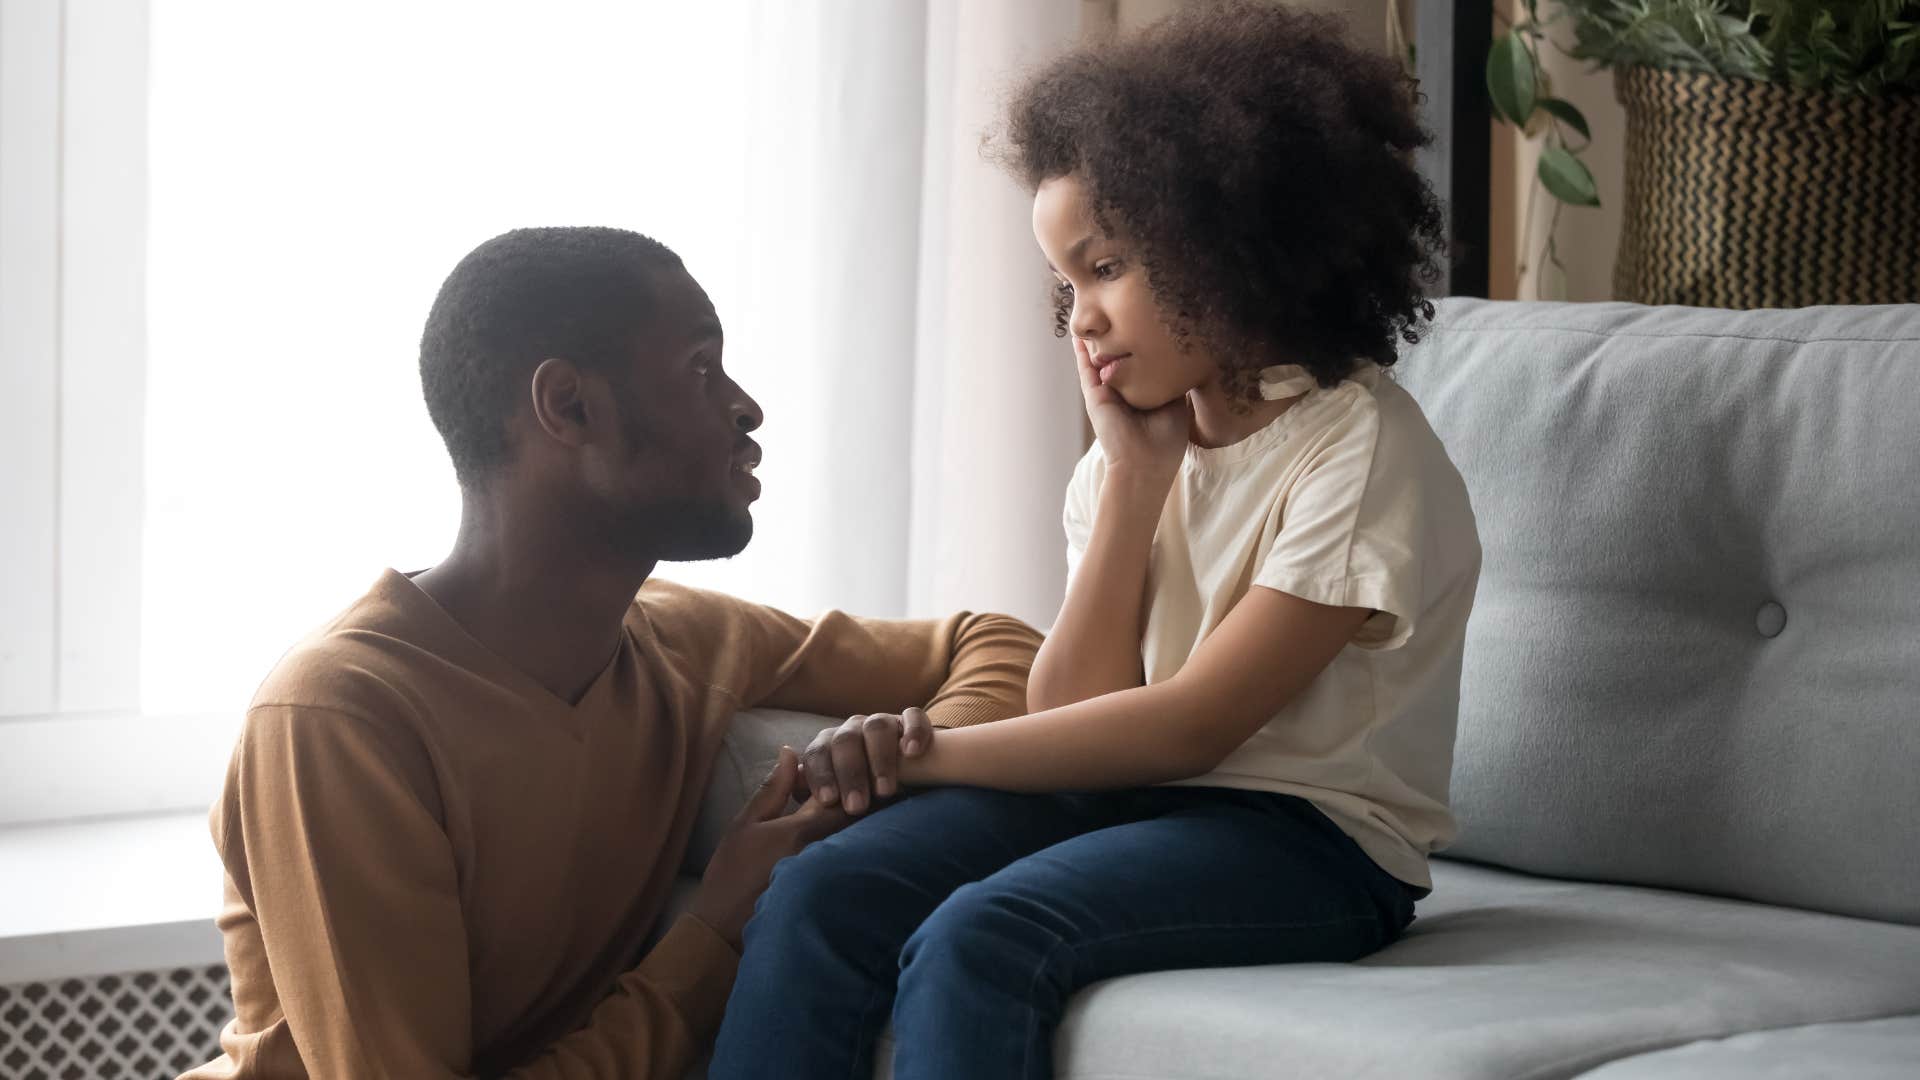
274 193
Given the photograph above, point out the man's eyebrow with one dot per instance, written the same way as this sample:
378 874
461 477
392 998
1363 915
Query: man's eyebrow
709 328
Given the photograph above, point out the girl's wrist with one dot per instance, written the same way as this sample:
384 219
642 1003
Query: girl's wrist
1144 487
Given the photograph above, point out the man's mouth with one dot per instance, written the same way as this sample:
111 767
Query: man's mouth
745 461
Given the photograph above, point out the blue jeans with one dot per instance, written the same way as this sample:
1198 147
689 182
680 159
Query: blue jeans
969 918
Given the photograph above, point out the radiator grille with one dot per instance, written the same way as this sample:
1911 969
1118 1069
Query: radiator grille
142 1025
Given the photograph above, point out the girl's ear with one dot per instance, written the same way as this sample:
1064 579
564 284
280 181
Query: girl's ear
561 402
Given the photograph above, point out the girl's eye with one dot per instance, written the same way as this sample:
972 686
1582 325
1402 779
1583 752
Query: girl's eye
1108 270
1063 287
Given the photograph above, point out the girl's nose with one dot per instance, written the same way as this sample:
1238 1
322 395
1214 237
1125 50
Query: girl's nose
1088 320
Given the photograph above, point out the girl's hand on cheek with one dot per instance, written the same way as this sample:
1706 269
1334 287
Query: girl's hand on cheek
1149 443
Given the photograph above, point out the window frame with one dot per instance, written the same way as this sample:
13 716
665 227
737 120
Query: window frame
73 232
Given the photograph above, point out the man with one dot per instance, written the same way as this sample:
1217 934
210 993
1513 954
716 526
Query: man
454 812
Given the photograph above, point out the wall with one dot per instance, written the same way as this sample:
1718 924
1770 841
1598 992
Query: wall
1587 237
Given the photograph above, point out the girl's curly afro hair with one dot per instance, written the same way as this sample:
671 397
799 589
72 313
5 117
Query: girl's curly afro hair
1261 166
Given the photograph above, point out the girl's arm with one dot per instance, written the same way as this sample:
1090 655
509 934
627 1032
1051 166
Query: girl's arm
1266 651
1094 646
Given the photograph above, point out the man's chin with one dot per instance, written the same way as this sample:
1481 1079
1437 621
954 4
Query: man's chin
721 536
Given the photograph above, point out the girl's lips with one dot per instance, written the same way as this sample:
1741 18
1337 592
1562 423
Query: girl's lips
1106 366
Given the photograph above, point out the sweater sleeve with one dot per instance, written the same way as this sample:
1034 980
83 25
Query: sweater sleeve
963 669
332 840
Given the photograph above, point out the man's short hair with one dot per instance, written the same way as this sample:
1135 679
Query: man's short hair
580 294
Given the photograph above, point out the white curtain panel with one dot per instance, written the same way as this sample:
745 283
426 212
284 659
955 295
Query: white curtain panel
997 421
940 415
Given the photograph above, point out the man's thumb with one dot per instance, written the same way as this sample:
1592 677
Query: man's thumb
771 800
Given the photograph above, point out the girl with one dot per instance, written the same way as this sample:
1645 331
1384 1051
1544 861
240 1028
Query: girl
1241 727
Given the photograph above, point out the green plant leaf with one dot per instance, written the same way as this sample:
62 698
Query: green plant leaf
1566 178
1564 111
1511 81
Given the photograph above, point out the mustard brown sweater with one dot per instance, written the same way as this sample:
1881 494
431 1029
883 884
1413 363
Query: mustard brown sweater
436 868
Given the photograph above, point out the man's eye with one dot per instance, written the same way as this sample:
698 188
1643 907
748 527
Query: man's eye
702 367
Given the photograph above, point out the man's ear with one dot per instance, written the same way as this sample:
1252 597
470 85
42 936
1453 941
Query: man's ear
561 403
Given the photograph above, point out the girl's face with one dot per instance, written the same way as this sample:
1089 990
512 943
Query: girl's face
1114 310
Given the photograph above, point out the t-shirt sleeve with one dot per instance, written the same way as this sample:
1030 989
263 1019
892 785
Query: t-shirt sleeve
1083 493
1351 529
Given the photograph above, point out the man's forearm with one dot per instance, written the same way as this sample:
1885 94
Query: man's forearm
987 678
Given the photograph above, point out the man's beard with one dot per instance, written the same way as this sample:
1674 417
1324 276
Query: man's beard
693 531
683 530
677 530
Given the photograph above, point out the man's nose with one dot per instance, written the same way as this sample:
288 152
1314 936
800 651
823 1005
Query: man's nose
746 412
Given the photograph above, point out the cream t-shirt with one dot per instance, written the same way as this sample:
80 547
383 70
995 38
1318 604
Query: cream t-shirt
1349 499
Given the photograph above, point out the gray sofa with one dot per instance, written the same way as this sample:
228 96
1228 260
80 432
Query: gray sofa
1689 727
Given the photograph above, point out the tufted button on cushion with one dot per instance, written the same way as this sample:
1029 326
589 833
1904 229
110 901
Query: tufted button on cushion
1771 620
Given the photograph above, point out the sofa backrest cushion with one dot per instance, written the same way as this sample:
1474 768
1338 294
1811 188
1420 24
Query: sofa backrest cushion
1694 661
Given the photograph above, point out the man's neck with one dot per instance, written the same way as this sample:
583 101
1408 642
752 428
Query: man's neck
539 597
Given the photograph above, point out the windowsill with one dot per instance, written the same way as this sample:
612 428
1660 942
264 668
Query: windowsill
98 897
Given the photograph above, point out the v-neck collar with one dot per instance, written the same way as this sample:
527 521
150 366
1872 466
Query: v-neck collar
455 644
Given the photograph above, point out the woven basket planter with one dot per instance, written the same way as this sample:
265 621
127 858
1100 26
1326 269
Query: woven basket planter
1744 194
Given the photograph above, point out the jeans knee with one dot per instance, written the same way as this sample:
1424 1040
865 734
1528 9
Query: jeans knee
813 885
981 932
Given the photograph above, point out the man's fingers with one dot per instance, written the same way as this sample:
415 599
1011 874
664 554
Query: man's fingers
820 778
882 735
850 765
771 800
814 821
916 732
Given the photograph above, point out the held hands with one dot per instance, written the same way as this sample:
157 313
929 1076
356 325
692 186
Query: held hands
858 763
1150 443
762 835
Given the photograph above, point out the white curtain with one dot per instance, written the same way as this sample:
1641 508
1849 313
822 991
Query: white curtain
931 441
997 406
316 172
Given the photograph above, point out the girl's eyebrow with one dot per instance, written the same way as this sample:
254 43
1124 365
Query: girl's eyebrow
1074 249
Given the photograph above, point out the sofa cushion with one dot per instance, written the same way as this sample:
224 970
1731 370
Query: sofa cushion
1502 976
1694 660
748 753
1871 1050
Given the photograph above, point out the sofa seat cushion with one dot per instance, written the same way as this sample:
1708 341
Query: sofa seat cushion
1871 1050
1503 976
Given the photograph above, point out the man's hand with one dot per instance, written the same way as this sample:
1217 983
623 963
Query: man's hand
857 763
762 835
